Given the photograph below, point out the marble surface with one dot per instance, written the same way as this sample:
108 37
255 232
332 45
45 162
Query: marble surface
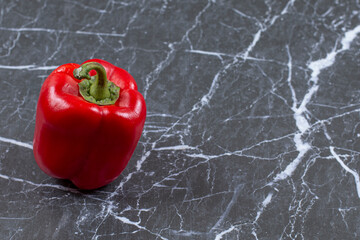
252 129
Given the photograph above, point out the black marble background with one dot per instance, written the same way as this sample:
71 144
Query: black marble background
252 129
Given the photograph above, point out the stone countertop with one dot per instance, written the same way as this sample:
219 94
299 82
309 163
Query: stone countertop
252 129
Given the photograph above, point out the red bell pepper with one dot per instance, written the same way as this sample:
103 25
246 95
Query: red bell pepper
86 130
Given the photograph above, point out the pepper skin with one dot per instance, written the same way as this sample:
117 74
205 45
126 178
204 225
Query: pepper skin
84 142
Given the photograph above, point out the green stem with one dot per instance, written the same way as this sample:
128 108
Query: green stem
96 89
99 89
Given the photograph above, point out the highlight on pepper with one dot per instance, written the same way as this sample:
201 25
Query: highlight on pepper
89 119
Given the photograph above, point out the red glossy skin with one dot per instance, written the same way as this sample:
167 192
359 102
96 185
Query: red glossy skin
82 141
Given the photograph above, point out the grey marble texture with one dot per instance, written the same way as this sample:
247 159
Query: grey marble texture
252 129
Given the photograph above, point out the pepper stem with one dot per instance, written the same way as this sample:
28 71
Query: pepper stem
96 89
99 89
